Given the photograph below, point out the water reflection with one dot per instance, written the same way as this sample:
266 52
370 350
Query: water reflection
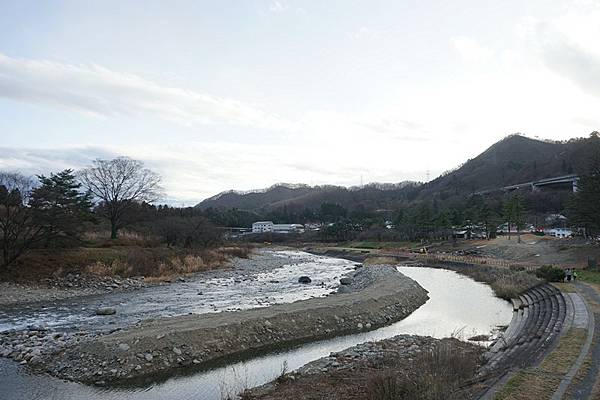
456 303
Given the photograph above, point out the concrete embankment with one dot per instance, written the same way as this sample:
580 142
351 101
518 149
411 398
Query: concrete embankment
376 296
538 319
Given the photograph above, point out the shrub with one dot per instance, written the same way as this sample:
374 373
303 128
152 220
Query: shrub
550 273
442 371
505 282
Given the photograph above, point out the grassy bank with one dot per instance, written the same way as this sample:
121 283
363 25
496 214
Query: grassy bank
130 255
589 276
542 381
507 283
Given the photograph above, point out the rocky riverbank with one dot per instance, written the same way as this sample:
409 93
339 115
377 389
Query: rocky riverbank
393 366
373 296
71 285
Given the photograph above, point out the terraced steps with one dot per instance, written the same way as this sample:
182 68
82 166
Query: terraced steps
538 317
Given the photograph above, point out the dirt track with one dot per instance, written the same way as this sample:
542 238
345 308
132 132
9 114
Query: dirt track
533 249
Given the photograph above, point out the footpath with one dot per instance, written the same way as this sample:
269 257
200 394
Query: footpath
565 367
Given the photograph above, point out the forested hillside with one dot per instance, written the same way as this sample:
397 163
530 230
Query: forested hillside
515 159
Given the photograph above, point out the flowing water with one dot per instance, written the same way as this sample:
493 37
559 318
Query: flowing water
457 305
271 277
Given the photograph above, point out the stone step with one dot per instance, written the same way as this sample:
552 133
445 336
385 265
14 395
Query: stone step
538 315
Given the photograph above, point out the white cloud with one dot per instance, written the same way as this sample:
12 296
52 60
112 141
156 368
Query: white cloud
471 50
367 33
277 6
567 52
102 92
199 170
536 74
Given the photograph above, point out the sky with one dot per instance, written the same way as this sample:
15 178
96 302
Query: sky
218 95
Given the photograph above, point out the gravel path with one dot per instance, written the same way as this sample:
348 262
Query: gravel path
583 389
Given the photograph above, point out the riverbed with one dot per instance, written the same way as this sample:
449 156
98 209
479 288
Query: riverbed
269 277
458 306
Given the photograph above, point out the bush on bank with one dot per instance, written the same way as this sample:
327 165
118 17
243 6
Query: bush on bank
550 273
441 373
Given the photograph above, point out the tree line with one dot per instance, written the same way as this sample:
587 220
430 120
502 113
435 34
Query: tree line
54 211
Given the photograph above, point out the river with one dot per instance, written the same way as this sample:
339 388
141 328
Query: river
458 306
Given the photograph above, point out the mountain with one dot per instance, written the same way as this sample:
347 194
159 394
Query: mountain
256 199
371 196
515 159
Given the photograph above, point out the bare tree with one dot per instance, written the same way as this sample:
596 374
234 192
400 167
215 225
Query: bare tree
15 181
118 184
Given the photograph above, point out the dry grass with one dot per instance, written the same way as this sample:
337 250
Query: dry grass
165 264
506 283
123 261
125 238
542 381
437 375
380 260
580 376
565 287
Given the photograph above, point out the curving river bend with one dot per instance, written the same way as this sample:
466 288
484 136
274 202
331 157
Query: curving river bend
457 306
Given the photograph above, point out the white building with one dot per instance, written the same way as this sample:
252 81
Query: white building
269 226
262 226
288 228
560 232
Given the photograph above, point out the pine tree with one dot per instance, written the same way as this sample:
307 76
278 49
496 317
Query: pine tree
60 206
514 213
586 201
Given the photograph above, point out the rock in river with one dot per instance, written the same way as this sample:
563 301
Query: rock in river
304 279
346 281
106 311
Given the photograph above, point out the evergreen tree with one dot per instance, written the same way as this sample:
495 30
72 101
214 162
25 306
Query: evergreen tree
586 201
514 213
59 205
488 218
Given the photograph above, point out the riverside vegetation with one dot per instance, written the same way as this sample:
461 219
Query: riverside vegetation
99 222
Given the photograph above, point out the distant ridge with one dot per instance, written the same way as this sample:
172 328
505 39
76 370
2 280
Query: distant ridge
264 190
512 160
299 195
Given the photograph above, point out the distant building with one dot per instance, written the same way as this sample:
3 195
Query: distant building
528 228
313 226
288 228
556 219
269 226
504 228
262 226
560 232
